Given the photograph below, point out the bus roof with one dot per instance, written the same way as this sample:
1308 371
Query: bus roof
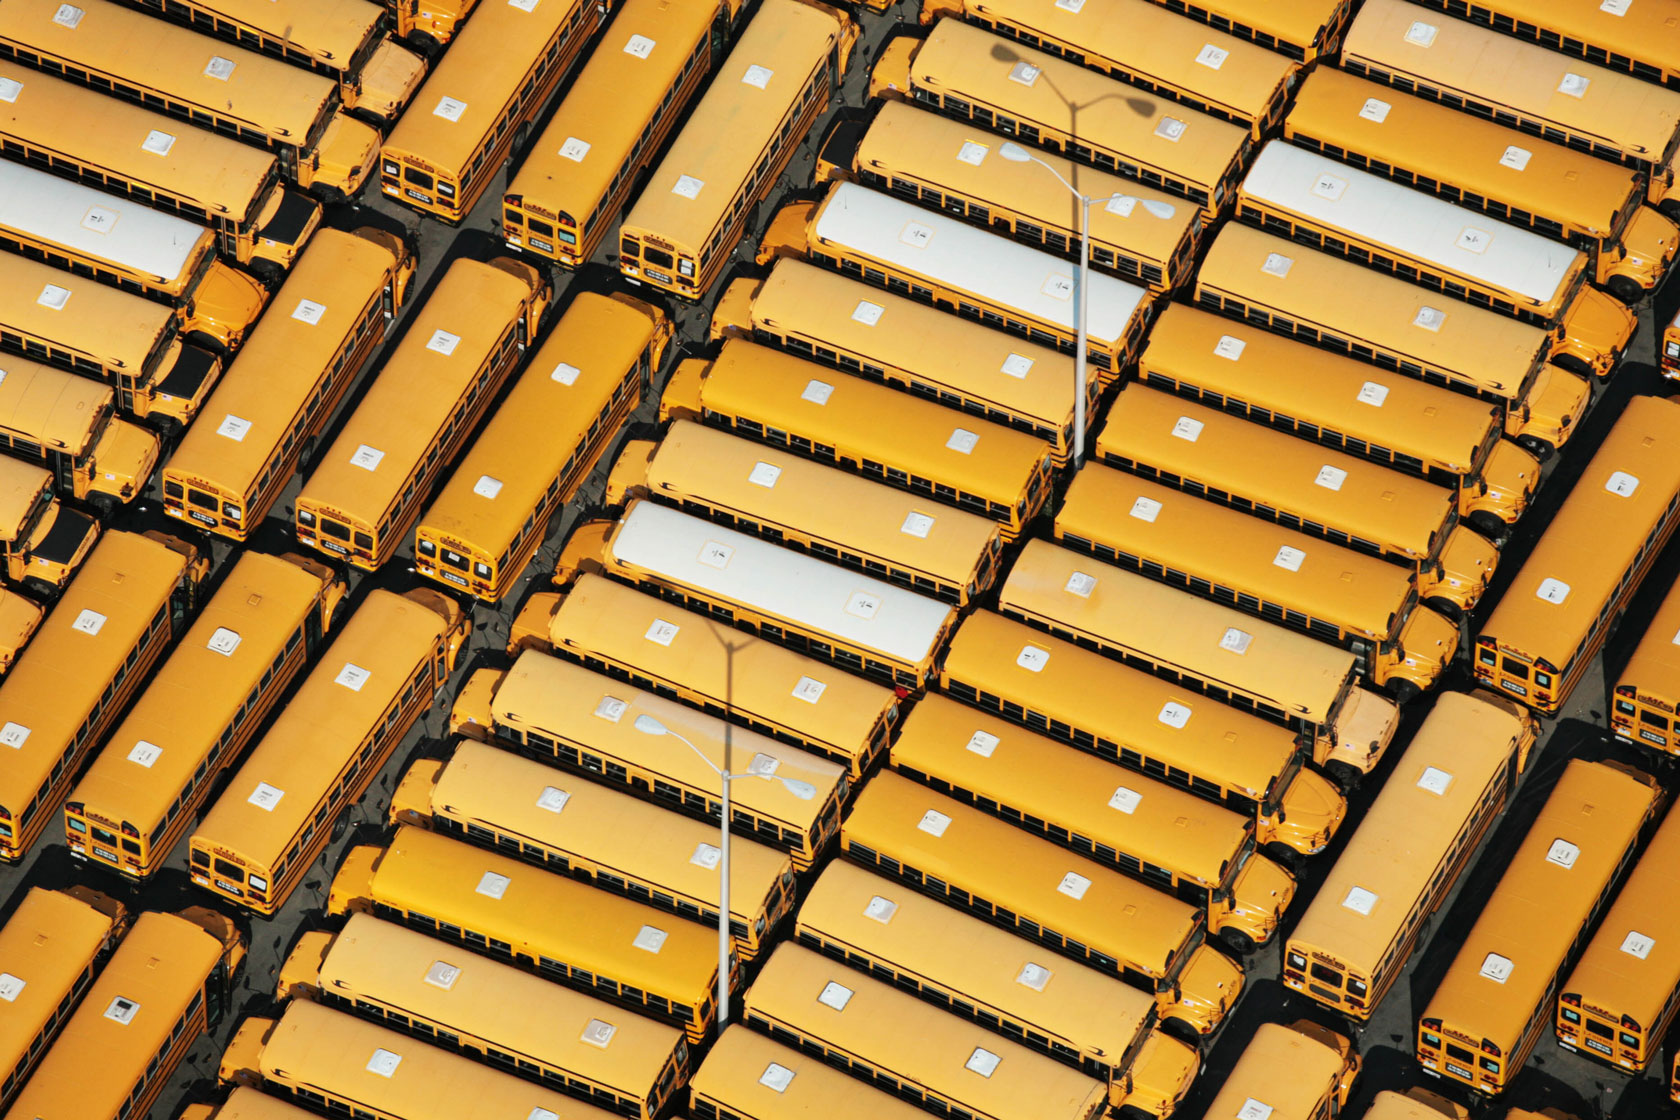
21 487
1291 23
246 1103
1285 1071
115 328
1619 110
50 941
1437 786
999 369
172 728
1101 696
51 406
772 60
1605 520
331 31
1329 487
1424 137
746 1072
916 1041
964 61
1640 33
475 80
50 114
299 759
422 380
684 550
1510 959
1478 346
1655 665
1162 525
1010 867
955 254
1419 1104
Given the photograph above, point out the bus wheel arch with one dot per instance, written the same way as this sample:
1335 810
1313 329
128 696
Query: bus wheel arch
1401 690
1626 289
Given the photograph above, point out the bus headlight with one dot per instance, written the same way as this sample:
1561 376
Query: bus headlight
230 511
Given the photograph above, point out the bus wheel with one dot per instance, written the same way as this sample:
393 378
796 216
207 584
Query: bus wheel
1402 691
1446 608
1536 447
104 506
1177 1028
1626 289
1346 777
1282 854
39 589
1489 526
1572 363
1237 941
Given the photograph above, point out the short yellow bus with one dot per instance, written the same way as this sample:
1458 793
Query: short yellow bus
53 944
197 714
1146 724
1534 183
69 425
366 491
42 540
870 429
1216 72
614 118
847 324
339 1063
169 981
1553 619
192 173
747 1077
1621 996
1454 780
1645 703
192 77
587 722
652 962
491 1011
478 104
1154 832
781 75
866 526
1635 38
19 617
275 815
592 832
1303 30
1340 305
1499 994
430 25
1087 912
1318 490
1298 1072
951 166
109 628
563 411
278 394
973 74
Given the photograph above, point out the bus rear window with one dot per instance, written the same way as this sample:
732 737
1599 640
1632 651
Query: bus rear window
1654 720
335 530
1514 668
658 257
202 500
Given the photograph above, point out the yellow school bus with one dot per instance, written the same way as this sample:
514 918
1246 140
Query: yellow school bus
1298 1072
1635 38
1498 995
1421 1104
42 540
782 74
69 425
1646 700
1301 29
748 1076
246 1103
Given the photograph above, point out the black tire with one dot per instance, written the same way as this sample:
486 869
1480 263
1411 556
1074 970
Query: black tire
1537 447
1489 526
1347 778
1240 943
1572 363
1626 289
1448 609
1403 692
1285 856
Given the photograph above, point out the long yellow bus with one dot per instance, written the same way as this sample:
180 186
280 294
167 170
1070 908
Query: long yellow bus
419 410
197 714
169 981
1301 29
1425 430
1635 38
782 73
1609 115
1215 72
1457 776
652 962
892 243
1053 102
1298 1072
593 832
1316 201
749 680
1553 619
246 1103
102 638
277 396
614 118
882 1035
1146 724
866 526
1421 1104
1318 490
1154 832
1332 593
275 815
1086 1019
1621 996
1498 995
747 1077
562 413
340 1063
1645 703
587 722
870 429
69 425
845 323
950 165
42 540
53 944
479 103
1534 183
192 77
217 182
494 1012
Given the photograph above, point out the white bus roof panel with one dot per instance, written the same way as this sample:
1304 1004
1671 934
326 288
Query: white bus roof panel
95 223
